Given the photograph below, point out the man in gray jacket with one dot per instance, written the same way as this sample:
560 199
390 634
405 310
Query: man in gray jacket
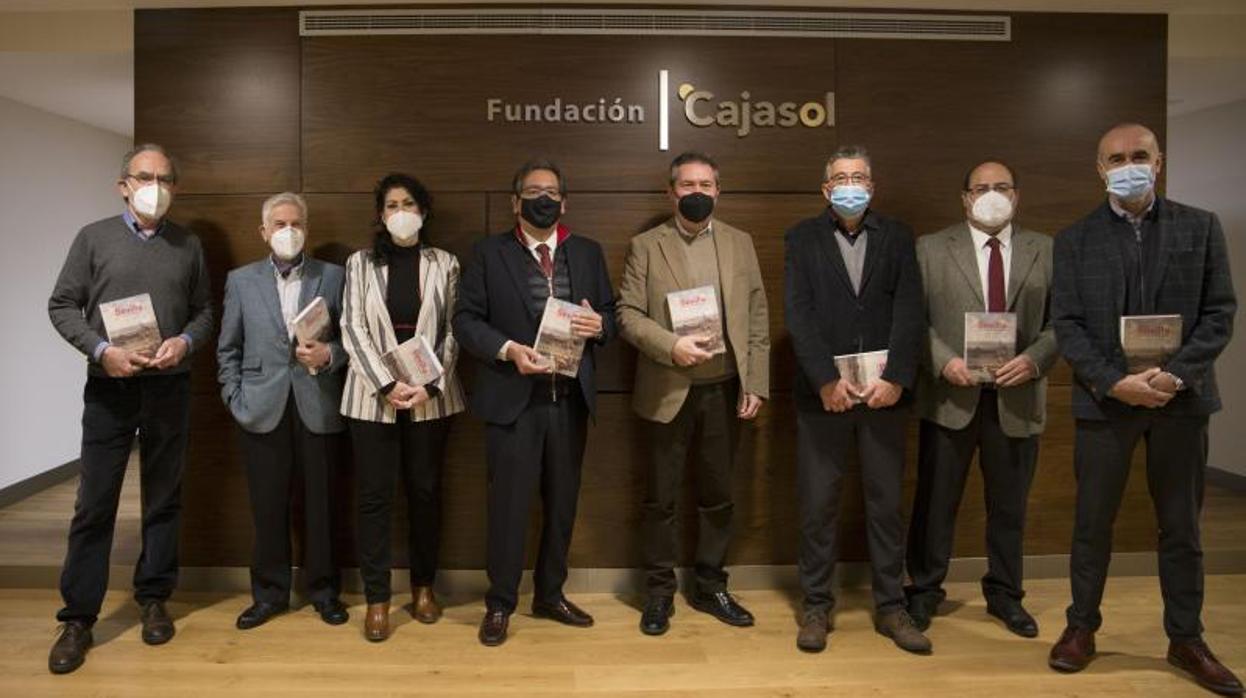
149 273
987 264
284 389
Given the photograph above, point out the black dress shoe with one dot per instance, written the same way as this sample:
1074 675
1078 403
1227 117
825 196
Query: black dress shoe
1015 617
332 611
562 611
656 618
70 649
157 625
720 605
493 627
922 609
259 613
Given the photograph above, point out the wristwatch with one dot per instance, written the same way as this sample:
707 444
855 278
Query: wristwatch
1176 381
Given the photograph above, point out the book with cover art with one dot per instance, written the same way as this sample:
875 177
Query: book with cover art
312 322
413 362
554 339
1149 340
861 369
990 342
131 324
695 312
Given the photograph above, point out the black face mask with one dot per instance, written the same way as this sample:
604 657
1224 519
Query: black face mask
696 207
541 212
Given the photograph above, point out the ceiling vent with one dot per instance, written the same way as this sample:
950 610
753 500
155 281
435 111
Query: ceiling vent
854 25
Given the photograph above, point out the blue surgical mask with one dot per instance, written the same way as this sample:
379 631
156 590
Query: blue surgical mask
849 200
1131 182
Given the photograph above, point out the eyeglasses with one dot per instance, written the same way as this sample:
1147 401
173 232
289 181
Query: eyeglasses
854 178
148 178
537 192
1001 187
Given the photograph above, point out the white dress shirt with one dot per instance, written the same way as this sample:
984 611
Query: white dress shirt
983 254
288 289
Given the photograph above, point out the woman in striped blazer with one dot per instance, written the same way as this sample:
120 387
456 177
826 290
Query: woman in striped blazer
399 288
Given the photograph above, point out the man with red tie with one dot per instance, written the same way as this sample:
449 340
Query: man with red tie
985 264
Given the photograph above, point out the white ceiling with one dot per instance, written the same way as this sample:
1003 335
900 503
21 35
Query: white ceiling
84 69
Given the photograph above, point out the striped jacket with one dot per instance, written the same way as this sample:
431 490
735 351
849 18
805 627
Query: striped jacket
367 334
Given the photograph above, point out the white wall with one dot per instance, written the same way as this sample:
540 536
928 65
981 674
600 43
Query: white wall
1207 168
57 175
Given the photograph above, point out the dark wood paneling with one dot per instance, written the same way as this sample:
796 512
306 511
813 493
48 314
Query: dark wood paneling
250 109
220 90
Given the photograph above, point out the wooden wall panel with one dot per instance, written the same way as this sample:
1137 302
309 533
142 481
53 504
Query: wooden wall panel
250 108
220 90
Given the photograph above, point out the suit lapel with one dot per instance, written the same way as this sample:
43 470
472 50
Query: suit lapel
724 244
874 243
676 258
267 279
514 257
312 276
1024 254
1167 244
830 249
430 294
961 250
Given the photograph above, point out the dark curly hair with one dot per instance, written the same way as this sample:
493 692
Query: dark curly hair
382 244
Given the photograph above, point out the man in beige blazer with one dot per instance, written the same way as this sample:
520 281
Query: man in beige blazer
691 390
986 264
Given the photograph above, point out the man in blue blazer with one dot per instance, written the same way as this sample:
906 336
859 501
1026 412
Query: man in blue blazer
284 393
535 419
1141 254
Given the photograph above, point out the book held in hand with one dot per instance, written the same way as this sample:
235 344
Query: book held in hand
554 339
1149 341
131 324
413 362
861 369
990 342
312 322
695 312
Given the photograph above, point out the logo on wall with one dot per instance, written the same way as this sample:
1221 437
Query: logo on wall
743 115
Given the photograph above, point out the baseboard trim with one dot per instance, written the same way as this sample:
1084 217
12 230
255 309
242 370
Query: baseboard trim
18 491
627 581
1230 481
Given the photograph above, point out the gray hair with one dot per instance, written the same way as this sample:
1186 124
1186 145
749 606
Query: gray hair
846 152
285 197
147 148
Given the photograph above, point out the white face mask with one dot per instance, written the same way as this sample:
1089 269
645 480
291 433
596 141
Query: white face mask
992 209
151 201
287 243
404 227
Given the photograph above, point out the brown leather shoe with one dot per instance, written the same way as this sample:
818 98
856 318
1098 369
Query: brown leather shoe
157 625
376 623
564 612
1195 658
1073 651
424 606
898 626
814 627
493 627
70 650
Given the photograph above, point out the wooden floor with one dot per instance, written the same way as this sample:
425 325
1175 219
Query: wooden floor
298 655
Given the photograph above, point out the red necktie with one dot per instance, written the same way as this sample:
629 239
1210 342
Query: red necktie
547 264
995 279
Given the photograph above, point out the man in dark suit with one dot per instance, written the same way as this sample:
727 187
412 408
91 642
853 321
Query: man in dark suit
284 391
985 263
1141 254
535 418
852 286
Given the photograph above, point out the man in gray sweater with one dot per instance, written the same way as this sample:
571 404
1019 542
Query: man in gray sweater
130 390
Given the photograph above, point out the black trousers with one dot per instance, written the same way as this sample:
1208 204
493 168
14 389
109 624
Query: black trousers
1176 460
290 455
707 419
543 451
415 451
943 461
824 441
157 408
